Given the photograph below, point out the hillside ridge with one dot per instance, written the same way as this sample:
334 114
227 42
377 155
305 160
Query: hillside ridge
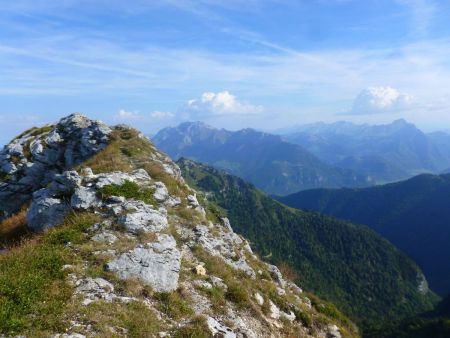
119 245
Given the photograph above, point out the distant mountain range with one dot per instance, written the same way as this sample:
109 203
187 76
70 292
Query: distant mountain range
273 165
351 265
386 153
413 214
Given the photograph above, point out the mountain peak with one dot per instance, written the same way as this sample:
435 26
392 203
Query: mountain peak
195 125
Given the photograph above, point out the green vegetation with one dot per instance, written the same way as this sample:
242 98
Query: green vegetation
413 214
237 295
33 292
197 328
346 264
434 324
35 131
136 319
128 190
42 130
173 304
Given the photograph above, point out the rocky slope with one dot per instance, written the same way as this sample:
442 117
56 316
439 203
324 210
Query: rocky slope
120 246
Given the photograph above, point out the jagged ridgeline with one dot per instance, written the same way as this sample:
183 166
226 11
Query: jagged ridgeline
350 265
101 236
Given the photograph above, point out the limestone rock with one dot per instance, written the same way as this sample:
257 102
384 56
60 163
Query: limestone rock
94 289
288 316
276 275
65 183
69 335
33 166
161 193
219 330
85 198
104 237
259 299
275 312
218 282
333 332
223 244
157 264
203 284
46 211
144 219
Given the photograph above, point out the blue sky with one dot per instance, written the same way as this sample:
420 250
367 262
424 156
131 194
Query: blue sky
232 63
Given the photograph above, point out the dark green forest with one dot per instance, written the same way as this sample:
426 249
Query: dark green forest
413 214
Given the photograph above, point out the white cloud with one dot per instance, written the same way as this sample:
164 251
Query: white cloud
219 104
125 115
376 100
162 115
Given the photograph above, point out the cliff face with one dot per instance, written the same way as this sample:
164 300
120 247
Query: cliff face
135 252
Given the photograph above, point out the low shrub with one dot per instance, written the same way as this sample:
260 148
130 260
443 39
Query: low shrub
128 190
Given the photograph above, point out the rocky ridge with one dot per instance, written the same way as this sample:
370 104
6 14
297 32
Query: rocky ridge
150 232
32 160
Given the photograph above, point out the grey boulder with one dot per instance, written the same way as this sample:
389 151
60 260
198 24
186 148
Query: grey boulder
144 219
157 264
46 211
85 198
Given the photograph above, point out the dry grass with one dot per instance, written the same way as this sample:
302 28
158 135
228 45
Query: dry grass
288 273
14 228
126 152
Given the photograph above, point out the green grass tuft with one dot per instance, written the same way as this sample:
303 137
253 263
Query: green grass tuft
173 304
128 190
136 318
197 328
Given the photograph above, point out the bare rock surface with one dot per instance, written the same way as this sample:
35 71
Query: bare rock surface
36 158
145 218
157 264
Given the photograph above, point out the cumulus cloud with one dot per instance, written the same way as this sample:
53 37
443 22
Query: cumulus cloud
219 104
377 100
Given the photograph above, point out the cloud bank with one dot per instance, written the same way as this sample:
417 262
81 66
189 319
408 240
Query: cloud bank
377 100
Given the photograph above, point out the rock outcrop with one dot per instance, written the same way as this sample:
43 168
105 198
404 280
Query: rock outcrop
156 264
35 158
